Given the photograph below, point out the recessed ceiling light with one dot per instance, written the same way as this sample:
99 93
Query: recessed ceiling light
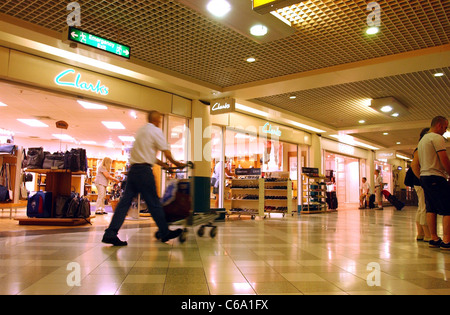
218 8
89 105
372 30
33 122
2 104
386 109
395 115
113 125
362 121
127 138
251 59
385 133
399 142
258 30
133 114
438 74
292 97
62 136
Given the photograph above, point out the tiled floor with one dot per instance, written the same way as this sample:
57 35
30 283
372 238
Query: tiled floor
308 254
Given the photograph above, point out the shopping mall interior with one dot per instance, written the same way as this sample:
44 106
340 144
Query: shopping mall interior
282 106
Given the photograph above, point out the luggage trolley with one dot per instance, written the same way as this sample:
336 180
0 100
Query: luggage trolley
178 204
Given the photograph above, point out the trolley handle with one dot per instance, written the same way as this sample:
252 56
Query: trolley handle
189 165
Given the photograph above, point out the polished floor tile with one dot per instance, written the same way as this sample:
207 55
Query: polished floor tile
349 252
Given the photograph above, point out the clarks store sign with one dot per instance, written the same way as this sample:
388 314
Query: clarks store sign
70 78
222 106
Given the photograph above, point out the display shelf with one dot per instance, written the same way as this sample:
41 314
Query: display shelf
278 194
314 194
246 197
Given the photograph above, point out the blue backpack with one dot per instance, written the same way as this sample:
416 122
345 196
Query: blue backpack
40 205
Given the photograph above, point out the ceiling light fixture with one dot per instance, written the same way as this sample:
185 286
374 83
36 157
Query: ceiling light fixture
292 97
372 30
88 142
251 110
218 8
251 59
90 105
113 125
385 133
389 106
439 74
127 138
258 30
362 121
386 109
2 104
62 136
33 122
351 141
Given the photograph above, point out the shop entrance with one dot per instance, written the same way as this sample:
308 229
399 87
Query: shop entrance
345 172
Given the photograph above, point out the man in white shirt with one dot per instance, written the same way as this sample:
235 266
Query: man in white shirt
434 171
149 140
364 193
379 189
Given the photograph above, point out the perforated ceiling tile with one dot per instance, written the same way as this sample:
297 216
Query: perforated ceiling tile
345 105
167 34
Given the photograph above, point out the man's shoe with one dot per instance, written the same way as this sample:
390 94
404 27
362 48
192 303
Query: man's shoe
171 235
114 240
445 246
435 244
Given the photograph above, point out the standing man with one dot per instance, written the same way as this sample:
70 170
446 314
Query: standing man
434 171
149 140
379 189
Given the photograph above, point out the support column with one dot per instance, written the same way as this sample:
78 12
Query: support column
316 152
200 154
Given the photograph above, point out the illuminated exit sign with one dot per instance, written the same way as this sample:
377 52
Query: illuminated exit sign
78 36
266 6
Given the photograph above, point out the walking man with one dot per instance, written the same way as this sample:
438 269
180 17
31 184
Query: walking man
149 140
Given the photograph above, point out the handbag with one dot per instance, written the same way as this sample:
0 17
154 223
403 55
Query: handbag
8 149
411 179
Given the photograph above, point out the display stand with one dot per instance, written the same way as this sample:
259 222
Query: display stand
278 196
14 161
58 182
247 197
314 194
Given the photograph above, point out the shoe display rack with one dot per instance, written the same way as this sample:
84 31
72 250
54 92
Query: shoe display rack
247 196
278 193
314 194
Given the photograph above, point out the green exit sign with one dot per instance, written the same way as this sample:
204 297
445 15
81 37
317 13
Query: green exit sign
91 40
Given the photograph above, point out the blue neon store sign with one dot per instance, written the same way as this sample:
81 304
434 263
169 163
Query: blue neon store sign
66 78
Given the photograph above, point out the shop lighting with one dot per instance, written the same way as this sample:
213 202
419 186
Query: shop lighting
251 110
303 126
88 142
362 121
127 138
2 104
218 8
439 74
386 109
351 141
33 122
403 157
63 137
251 59
133 114
89 105
113 125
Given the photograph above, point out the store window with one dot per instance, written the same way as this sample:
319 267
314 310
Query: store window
177 139
386 173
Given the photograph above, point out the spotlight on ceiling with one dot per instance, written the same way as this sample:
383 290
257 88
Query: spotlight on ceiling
389 106
218 8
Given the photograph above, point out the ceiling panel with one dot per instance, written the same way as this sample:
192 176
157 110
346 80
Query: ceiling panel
167 34
345 105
